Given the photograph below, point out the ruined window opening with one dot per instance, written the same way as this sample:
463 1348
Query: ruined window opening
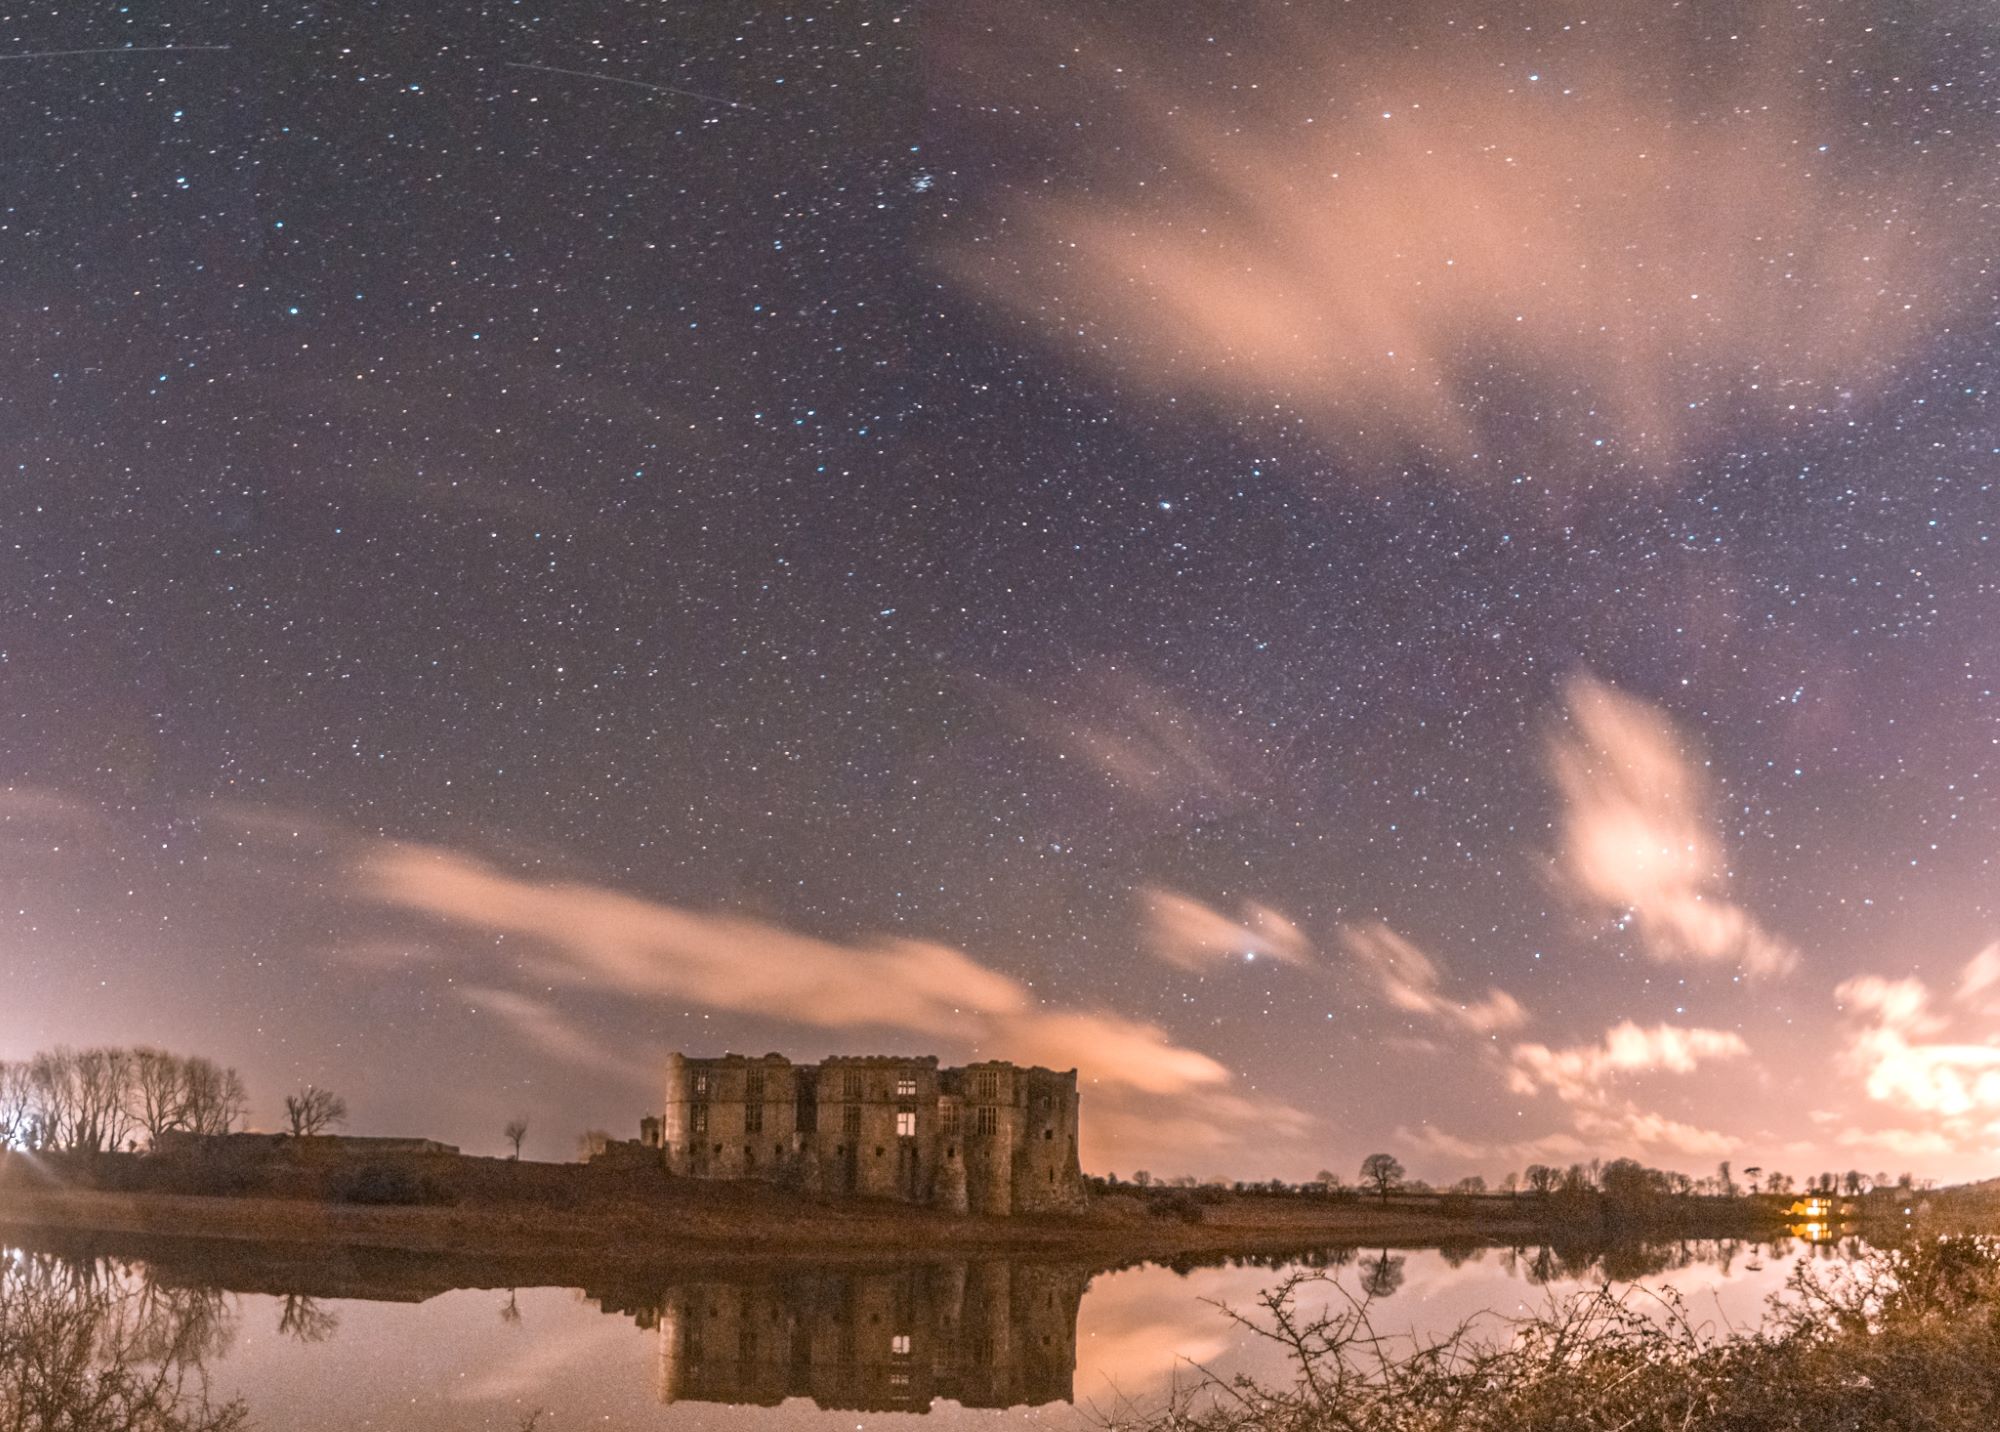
1048 1136
906 1086
906 1124
987 1120
986 1085
899 1345
698 1118
753 1087
701 1084
850 1119
948 1116
753 1119
850 1084
951 1151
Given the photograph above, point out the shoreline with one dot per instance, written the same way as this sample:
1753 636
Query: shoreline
620 1234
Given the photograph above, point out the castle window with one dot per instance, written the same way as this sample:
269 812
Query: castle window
986 1085
1048 1136
906 1124
906 1086
948 1116
850 1084
701 1084
753 1118
698 1118
850 1119
899 1345
753 1087
986 1120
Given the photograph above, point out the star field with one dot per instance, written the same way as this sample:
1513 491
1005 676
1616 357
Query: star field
850 476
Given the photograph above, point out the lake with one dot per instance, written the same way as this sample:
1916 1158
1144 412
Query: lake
351 1340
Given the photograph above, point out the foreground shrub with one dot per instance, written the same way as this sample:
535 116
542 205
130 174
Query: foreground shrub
1181 1204
1901 1341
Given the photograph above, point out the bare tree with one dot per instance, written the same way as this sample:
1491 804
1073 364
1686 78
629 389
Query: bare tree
52 1088
17 1105
157 1095
314 1110
103 1080
516 1130
215 1097
1383 1172
1543 1179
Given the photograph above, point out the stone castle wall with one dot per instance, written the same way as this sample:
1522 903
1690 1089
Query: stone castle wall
987 1138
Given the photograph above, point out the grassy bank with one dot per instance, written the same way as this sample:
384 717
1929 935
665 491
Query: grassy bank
428 1203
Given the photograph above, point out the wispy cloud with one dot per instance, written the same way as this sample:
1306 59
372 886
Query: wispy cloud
1190 935
1411 982
1638 839
1356 232
1138 737
1591 1080
543 1026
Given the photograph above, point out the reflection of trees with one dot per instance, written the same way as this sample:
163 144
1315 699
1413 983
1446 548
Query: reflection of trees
1457 1255
1382 1276
510 1311
90 1347
303 1320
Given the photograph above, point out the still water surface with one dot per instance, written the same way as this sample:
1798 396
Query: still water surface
963 1345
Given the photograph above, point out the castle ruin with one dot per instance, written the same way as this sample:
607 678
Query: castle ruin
989 1138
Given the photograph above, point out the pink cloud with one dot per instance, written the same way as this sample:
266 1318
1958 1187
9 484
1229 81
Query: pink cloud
1411 982
1355 235
1190 935
1637 836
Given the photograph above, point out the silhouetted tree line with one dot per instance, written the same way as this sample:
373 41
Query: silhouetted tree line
93 1100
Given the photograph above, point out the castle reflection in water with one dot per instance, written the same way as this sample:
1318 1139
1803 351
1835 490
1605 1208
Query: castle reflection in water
985 1334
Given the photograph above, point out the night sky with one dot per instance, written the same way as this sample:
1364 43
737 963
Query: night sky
1416 576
